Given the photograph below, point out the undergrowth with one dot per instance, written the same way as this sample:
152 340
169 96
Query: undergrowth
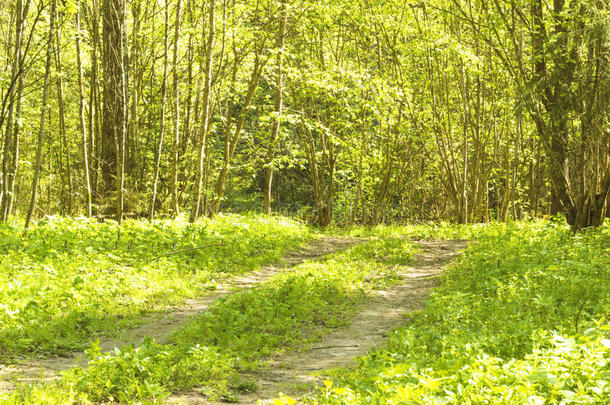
235 335
521 318
70 280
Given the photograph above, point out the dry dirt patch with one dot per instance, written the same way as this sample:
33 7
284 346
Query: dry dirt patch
160 325
292 373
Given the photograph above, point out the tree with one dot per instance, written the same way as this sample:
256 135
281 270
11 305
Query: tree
563 90
10 147
352 112
114 121
206 114
277 109
81 111
43 112
151 215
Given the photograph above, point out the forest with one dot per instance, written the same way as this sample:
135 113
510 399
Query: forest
295 201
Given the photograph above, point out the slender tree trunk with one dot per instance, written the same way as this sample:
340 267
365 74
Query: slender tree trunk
202 139
81 113
12 174
10 147
362 152
62 125
43 113
151 215
122 151
186 135
135 160
176 94
94 105
279 98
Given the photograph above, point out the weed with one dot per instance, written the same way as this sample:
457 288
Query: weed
520 318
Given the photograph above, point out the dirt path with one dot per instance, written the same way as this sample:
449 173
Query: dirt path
160 325
291 373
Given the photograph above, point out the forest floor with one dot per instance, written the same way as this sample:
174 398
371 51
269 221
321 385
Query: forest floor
340 321
297 374
160 325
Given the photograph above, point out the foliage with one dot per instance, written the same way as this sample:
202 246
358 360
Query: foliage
236 334
70 280
418 110
522 317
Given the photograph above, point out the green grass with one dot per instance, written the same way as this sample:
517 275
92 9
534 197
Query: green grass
521 318
71 280
431 230
238 332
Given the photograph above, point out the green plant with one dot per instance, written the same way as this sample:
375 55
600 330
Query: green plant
521 317
237 333
72 280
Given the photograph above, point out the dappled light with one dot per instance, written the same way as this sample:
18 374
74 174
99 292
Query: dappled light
304 202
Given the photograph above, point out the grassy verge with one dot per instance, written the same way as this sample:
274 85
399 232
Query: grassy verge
73 279
430 231
521 318
235 335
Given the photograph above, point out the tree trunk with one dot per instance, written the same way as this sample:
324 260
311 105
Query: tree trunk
279 98
10 147
81 113
114 114
151 215
206 111
62 126
176 94
43 113
95 114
